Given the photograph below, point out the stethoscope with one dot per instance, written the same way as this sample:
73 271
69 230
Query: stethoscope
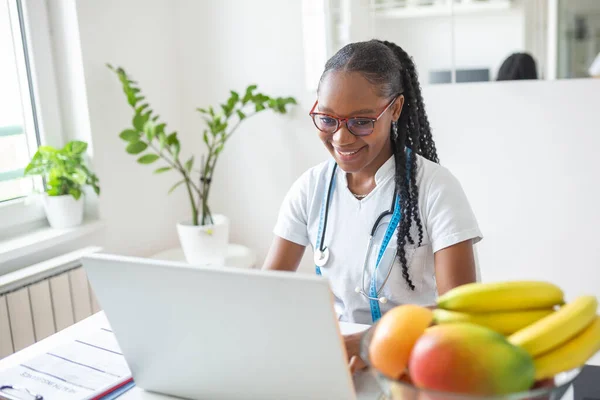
322 253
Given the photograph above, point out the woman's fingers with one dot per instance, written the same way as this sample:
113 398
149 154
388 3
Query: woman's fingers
356 364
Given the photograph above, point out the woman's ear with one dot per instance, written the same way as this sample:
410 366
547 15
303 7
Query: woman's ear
397 107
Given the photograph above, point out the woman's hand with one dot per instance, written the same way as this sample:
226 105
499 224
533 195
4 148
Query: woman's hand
352 343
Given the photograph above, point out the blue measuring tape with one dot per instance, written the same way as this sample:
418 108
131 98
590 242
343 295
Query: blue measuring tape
324 205
389 233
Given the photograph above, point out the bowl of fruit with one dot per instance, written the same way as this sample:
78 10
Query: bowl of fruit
505 340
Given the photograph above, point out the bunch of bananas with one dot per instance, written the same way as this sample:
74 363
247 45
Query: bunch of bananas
533 315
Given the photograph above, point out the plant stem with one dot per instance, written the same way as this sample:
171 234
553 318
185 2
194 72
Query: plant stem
188 181
176 165
194 209
206 181
237 125
209 170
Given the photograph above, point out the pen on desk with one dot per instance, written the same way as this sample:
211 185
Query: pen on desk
10 392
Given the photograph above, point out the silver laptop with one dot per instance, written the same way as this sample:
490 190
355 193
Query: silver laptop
222 333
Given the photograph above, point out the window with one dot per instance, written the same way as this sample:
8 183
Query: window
18 134
27 94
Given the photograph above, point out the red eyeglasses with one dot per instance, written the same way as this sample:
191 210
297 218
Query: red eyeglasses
358 126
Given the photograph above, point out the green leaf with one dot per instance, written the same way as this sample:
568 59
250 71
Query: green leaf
162 169
130 97
162 139
176 185
96 189
46 150
226 109
175 148
211 111
148 158
136 147
147 116
189 163
235 96
205 136
54 191
76 193
248 94
129 135
79 176
202 110
141 108
150 130
138 122
33 168
155 118
219 149
259 107
76 147
241 114
172 138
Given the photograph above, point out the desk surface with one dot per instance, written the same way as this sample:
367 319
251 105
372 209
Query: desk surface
365 385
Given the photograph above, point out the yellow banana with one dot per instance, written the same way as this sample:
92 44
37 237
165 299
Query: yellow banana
572 354
501 296
557 328
503 322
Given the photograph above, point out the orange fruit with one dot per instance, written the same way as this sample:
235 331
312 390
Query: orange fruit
394 337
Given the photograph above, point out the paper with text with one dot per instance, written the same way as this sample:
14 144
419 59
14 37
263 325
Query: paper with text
79 370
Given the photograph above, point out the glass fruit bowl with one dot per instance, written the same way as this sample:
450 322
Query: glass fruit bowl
403 389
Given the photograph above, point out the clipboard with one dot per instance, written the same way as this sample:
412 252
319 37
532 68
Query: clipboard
89 367
10 392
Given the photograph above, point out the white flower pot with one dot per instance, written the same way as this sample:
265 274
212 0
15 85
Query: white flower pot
205 244
63 211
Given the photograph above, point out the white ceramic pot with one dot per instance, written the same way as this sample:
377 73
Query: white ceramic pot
205 244
63 211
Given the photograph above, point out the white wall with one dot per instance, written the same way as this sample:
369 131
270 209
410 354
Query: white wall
138 35
479 41
526 154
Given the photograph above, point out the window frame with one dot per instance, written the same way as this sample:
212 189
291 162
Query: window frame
30 21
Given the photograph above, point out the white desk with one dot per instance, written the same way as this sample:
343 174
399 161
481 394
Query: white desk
237 256
365 384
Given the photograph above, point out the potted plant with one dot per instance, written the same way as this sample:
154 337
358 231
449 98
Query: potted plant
204 236
65 174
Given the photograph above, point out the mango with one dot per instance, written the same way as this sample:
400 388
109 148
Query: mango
394 337
469 359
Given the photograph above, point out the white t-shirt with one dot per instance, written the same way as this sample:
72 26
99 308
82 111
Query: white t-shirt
446 217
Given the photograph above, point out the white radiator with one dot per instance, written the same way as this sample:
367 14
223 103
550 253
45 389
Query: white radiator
42 299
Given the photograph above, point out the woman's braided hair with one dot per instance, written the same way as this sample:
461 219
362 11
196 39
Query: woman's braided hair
393 72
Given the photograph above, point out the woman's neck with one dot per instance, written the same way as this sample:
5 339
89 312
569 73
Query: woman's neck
363 181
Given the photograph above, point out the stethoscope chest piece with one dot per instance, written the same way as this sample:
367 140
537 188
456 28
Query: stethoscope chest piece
321 257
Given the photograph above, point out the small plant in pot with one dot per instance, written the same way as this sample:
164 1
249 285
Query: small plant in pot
65 174
204 237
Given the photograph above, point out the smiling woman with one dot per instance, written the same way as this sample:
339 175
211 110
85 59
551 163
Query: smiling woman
370 115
